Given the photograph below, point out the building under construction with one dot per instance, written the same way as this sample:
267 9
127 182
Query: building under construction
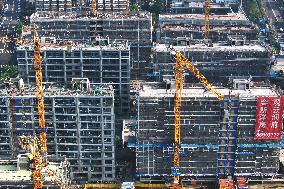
218 62
53 5
223 23
133 27
80 126
113 5
205 153
109 64
16 174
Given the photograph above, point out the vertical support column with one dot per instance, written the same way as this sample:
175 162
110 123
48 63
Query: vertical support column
45 65
81 62
27 66
78 123
102 139
113 142
120 87
101 67
64 67
55 127
10 123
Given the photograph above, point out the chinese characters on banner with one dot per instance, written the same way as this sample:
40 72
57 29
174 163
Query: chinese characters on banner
269 112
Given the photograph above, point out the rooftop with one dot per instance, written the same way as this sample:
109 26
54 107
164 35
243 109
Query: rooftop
229 17
51 16
198 5
10 172
49 90
76 46
198 91
217 47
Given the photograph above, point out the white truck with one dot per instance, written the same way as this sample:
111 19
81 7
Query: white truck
127 185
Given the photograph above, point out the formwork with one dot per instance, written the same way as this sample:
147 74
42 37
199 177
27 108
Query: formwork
217 63
80 126
212 144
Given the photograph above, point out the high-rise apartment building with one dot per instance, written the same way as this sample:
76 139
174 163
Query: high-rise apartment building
79 121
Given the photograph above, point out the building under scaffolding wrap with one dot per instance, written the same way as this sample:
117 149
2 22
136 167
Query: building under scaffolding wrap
79 121
100 64
217 63
205 150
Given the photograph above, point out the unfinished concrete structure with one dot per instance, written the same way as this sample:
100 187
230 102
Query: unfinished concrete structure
113 5
217 63
100 64
201 128
191 26
136 28
80 123
17 173
197 7
54 5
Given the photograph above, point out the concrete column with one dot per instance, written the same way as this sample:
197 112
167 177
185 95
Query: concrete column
78 123
81 62
101 67
64 60
102 139
55 128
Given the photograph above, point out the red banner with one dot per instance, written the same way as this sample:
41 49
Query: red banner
269 111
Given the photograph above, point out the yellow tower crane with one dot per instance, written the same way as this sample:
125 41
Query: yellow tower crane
37 175
38 157
94 7
207 7
180 62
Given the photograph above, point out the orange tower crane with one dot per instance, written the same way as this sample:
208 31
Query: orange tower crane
180 62
42 129
94 7
207 7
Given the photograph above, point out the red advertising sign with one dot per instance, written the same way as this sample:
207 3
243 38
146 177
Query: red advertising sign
269 112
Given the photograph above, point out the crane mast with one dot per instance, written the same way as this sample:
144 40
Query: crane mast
37 175
94 7
179 82
180 62
207 7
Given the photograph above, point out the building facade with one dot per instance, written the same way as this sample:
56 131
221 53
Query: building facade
204 152
80 127
100 64
54 5
217 63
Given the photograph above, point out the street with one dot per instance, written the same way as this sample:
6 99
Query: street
271 8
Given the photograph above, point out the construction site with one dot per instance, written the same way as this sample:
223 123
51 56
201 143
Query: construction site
61 64
220 61
86 110
210 147
223 23
111 94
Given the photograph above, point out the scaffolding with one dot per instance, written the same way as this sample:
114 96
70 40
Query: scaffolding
100 64
80 124
217 63
209 144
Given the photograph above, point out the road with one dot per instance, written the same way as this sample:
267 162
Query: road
271 8
8 23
